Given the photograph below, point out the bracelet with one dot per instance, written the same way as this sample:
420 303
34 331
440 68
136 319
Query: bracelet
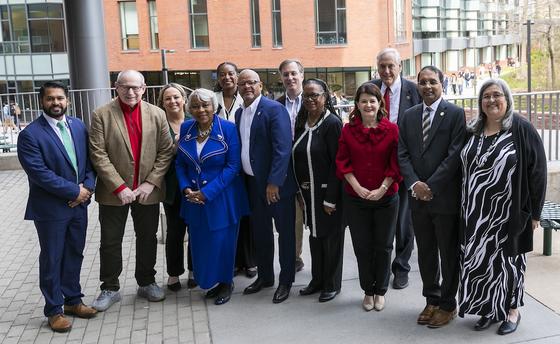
384 187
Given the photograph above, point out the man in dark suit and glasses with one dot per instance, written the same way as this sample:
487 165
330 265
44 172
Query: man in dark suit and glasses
399 95
431 136
266 146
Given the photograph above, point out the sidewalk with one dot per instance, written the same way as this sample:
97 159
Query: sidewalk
186 317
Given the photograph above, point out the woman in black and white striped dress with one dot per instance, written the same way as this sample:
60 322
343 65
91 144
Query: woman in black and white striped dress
504 181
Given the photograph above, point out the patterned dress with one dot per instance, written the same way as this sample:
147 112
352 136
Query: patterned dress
491 282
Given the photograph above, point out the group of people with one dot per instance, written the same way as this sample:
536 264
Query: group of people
229 162
10 118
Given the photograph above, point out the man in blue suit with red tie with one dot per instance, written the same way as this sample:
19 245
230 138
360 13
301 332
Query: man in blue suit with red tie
53 151
266 146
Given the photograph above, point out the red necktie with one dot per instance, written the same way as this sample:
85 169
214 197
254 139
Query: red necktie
387 99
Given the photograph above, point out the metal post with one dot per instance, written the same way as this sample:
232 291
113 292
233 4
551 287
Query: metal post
529 55
164 76
87 53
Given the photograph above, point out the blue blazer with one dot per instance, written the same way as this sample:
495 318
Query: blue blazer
270 147
216 173
52 178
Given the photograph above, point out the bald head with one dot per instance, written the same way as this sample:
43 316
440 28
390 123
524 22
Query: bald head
250 86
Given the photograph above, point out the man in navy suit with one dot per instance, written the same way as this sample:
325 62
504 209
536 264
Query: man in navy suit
400 95
53 151
431 136
266 144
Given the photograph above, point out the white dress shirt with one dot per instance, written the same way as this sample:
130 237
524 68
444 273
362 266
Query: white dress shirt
245 132
395 99
293 107
53 123
229 114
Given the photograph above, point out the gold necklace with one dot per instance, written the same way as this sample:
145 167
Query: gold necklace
204 133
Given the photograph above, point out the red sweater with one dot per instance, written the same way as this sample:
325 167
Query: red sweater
133 122
370 154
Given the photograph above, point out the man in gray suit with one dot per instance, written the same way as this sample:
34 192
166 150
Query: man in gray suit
431 136
400 95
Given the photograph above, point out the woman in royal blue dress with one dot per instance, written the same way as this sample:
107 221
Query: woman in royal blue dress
208 170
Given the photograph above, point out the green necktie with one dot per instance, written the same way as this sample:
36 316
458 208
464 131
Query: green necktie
68 145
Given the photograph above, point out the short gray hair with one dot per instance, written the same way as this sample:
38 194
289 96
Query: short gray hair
203 95
389 51
476 124
133 72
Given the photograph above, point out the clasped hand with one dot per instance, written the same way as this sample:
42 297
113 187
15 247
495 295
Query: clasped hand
422 192
194 196
371 195
83 197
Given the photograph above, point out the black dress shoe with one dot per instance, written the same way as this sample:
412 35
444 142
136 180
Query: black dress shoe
224 295
309 290
256 286
328 295
175 286
281 293
483 323
299 264
251 272
508 327
191 283
212 293
400 281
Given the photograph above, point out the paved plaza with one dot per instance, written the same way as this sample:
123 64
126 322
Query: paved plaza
186 317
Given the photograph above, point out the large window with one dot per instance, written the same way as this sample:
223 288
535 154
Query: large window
154 35
255 24
46 27
330 21
129 26
398 22
276 24
198 14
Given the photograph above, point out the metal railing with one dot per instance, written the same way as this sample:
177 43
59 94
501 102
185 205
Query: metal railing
542 109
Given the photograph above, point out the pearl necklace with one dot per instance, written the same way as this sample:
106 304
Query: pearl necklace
481 160
204 133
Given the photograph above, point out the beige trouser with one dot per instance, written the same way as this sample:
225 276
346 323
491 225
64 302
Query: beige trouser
299 231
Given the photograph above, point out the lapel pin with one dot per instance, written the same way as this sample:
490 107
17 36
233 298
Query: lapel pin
408 97
442 113
188 136
258 113
220 137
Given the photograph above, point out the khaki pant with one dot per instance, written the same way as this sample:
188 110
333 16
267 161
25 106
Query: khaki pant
299 231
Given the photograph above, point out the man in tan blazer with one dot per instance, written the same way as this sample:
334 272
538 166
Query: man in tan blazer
131 150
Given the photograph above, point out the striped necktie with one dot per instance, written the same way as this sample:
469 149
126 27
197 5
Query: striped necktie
426 124
67 141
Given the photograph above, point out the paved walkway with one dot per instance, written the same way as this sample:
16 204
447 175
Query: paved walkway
185 317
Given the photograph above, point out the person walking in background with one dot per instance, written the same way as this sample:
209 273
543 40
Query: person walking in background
291 73
317 130
266 144
432 135
503 192
399 95
229 101
367 161
214 199
131 150
172 99
53 151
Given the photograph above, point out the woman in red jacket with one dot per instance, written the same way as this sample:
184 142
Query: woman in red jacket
367 161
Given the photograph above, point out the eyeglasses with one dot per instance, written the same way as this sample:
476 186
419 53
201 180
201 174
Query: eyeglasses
134 89
431 82
312 96
493 96
248 83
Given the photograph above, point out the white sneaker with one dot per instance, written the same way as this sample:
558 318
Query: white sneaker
152 292
106 299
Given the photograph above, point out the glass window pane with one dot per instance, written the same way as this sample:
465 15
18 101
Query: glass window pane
277 22
39 30
55 11
200 31
3 12
326 20
56 34
341 18
198 6
5 31
255 23
341 3
37 10
19 23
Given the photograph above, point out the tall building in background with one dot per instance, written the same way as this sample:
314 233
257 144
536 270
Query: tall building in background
453 34
32 44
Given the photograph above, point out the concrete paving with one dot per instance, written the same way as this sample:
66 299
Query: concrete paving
185 317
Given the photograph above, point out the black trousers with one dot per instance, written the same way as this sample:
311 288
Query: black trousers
437 238
113 220
174 244
262 214
372 226
245 256
404 235
326 260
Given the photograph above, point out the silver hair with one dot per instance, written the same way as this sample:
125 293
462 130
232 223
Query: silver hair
203 95
250 72
476 124
123 73
390 51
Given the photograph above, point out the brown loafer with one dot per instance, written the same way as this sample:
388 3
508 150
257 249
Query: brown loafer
80 310
426 315
59 323
442 318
